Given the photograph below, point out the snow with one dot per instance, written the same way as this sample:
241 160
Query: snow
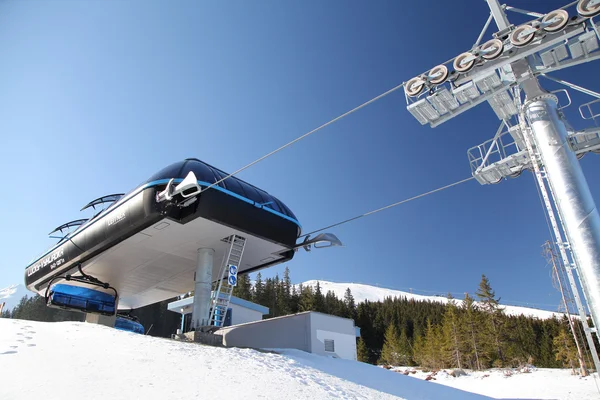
12 294
8 291
76 360
539 383
363 292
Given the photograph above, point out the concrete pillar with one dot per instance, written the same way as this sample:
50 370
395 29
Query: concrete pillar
106 320
203 287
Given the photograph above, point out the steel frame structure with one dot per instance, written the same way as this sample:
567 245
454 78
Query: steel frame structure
533 134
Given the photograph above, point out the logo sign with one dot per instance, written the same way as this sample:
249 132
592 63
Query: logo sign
232 279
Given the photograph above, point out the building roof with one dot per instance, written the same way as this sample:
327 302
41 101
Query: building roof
186 305
289 316
209 175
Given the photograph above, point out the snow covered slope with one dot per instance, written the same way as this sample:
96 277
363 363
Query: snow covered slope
74 360
542 383
11 295
372 293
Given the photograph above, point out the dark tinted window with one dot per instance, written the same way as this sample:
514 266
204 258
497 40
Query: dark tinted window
209 174
172 171
202 172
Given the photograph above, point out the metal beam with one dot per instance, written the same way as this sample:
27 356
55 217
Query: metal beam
498 14
571 63
573 86
485 28
520 11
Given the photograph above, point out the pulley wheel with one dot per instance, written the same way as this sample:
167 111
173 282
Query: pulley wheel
586 10
441 72
461 66
519 40
496 45
562 18
414 86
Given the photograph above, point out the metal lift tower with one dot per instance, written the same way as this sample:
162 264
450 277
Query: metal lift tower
533 134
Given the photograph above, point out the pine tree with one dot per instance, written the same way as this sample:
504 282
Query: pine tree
306 302
350 304
243 289
390 353
331 303
452 340
362 352
283 297
432 357
287 289
565 350
472 336
319 299
259 289
491 307
405 348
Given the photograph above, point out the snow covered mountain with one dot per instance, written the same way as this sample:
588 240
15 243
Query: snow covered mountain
12 294
362 292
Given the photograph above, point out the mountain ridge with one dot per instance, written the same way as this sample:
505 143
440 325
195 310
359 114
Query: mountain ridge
362 292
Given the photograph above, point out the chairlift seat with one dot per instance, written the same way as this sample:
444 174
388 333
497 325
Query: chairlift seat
83 299
125 324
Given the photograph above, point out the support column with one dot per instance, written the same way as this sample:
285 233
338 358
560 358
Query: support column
203 279
573 197
106 320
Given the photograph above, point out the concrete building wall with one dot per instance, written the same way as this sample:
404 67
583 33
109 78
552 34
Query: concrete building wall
290 332
340 330
242 315
305 331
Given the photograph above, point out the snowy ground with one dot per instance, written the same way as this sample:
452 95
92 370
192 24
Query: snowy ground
73 360
541 383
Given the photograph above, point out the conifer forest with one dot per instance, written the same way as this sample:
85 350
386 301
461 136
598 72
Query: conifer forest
472 332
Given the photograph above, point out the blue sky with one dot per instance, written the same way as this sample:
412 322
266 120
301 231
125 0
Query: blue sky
96 96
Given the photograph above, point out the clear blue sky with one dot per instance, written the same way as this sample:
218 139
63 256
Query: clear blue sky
95 96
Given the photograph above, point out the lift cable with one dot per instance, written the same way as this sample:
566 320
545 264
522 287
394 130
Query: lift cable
390 206
374 99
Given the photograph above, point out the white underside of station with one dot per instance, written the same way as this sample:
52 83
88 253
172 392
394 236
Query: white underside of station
159 262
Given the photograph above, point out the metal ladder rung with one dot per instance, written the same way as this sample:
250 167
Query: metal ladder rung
222 288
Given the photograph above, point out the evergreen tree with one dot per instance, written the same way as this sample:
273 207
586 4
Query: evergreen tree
472 336
491 307
306 302
270 299
243 289
331 303
453 340
432 357
283 297
287 290
259 289
565 350
295 299
319 299
390 353
362 352
405 349
350 304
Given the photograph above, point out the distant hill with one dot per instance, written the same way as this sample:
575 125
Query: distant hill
11 295
362 292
